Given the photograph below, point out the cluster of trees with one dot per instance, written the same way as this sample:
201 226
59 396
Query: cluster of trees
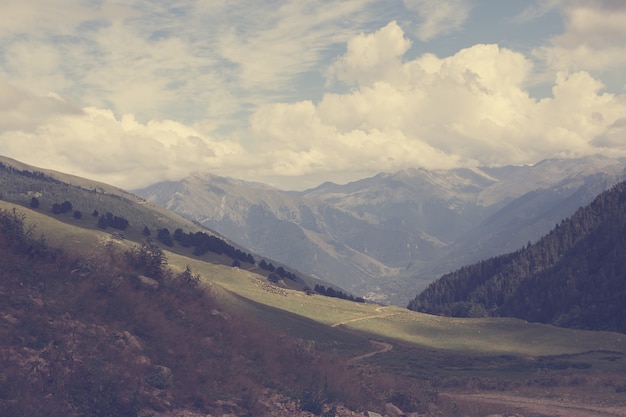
277 273
104 221
61 208
331 292
57 208
202 243
115 222
38 175
572 277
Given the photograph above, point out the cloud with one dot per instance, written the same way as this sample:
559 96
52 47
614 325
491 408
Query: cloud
39 17
536 10
471 108
23 110
121 151
187 60
295 93
269 48
593 39
438 16
371 57
614 137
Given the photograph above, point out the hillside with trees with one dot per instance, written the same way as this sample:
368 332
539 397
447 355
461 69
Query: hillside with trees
572 277
125 216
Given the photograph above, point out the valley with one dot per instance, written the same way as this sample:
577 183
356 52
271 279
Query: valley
439 366
388 236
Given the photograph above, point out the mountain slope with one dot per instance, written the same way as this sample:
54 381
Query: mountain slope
574 276
273 223
388 236
89 334
96 206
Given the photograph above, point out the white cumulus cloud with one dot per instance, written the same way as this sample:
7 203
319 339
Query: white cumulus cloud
121 151
469 108
594 37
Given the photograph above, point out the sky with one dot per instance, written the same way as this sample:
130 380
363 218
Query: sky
296 93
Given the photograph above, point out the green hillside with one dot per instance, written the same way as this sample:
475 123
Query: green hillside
97 206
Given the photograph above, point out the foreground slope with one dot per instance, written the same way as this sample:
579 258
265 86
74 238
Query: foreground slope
112 333
388 236
327 320
575 276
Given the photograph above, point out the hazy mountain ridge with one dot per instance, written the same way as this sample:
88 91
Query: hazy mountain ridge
388 236
531 215
262 217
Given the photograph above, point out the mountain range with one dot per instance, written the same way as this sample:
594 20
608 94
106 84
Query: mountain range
388 236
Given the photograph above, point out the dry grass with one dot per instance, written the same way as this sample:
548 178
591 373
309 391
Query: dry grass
103 343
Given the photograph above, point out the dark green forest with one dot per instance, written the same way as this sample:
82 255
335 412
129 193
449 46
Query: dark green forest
572 277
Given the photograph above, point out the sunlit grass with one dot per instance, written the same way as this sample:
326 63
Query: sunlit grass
488 335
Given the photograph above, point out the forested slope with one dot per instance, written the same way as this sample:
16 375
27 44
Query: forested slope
572 277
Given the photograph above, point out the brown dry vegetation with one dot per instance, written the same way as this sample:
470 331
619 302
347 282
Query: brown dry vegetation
86 335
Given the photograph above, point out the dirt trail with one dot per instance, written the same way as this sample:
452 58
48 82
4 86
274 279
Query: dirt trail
382 348
373 316
541 406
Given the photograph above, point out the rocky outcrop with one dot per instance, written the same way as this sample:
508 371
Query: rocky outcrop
149 283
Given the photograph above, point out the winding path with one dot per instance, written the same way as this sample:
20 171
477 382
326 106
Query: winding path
382 348
373 316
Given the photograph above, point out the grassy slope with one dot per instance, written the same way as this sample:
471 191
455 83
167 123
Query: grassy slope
345 326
